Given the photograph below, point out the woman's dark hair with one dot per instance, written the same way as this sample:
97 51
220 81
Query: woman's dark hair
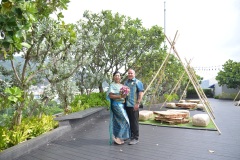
116 73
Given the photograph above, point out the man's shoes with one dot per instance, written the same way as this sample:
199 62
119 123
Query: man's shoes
133 141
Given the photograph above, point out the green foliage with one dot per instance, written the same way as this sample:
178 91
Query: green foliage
29 128
171 98
39 109
216 97
17 19
5 119
10 97
229 96
4 138
66 90
50 39
208 93
191 93
230 75
84 101
166 79
14 94
53 110
40 126
113 41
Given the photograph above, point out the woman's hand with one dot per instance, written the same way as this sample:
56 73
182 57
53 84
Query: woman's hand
123 96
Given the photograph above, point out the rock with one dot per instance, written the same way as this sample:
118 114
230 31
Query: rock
182 101
172 116
168 114
171 105
201 120
193 101
237 103
145 115
200 106
187 105
180 111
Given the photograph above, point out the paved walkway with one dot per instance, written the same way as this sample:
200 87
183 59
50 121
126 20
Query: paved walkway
158 143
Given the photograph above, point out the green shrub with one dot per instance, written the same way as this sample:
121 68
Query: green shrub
216 97
29 128
51 110
191 93
40 125
171 97
82 102
5 119
229 96
208 93
4 138
33 126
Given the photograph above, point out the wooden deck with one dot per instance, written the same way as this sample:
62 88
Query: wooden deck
91 142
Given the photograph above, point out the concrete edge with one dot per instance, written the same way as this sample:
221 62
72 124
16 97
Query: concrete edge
80 114
29 145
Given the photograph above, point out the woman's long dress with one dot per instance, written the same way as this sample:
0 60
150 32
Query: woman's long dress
119 123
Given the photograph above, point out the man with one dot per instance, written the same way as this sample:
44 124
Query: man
132 104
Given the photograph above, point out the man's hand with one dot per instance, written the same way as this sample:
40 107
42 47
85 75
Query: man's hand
136 107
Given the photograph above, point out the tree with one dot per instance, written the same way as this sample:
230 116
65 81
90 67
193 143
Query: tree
166 79
49 49
17 18
115 42
66 90
230 75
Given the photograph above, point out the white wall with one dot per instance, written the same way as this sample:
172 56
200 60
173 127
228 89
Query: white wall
223 89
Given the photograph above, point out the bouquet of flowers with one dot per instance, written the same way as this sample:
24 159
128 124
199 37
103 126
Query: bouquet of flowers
124 90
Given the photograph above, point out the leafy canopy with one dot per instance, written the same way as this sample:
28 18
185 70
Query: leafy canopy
17 18
230 75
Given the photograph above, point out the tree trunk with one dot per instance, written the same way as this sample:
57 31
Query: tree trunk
40 115
17 117
65 105
100 88
82 91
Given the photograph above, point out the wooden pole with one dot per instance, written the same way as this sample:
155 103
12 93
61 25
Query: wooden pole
199 90
174 87
157 87
160 80
187 71
173 90
184 90
236 96
204 97
160 67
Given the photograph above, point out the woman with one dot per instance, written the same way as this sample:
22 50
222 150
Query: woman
119 122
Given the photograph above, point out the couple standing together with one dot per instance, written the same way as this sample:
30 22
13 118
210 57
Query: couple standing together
124 109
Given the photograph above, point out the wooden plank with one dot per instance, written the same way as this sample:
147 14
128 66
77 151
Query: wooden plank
155 142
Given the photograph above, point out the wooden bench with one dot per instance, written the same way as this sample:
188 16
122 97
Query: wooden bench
79 119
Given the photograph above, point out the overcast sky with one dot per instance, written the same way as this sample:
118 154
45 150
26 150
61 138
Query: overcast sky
208 29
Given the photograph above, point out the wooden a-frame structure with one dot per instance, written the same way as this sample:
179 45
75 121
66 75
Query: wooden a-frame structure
192 78
236 95
238 103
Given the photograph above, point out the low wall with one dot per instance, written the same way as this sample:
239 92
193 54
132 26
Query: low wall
66 124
